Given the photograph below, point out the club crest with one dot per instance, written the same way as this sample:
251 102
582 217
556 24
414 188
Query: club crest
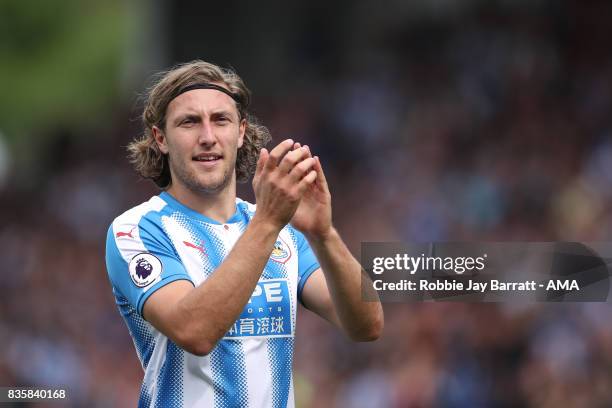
281 252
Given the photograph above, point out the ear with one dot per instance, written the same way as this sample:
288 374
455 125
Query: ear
160 139
242 130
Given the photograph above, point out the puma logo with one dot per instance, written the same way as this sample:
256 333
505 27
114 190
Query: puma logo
125 234
199 248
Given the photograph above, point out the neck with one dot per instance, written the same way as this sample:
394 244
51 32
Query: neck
216 205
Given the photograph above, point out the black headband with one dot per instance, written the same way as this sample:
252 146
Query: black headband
206 85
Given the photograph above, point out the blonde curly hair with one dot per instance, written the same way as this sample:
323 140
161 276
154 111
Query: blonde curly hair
143 151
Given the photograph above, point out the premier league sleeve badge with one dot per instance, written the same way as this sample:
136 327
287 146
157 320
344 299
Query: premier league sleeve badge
145 268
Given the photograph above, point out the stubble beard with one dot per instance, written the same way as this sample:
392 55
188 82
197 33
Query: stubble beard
190 180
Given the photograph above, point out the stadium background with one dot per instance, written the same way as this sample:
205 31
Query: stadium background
435 120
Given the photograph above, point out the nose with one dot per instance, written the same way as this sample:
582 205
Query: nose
206 137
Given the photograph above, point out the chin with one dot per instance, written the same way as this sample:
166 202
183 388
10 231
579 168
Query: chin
213 186
208 183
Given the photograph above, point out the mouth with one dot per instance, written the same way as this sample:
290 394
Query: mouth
208 158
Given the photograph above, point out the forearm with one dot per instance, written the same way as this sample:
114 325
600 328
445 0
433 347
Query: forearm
208 311
361 320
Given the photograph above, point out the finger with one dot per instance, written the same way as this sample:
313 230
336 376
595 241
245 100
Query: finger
278 152
320 175
302 168
307 181
308 151
296 146
263 156
291 159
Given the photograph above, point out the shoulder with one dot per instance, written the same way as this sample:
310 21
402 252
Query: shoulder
135 231
126 223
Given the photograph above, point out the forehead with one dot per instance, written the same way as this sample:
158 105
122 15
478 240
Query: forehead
202 101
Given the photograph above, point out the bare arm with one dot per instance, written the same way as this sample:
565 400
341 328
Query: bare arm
196 318
335 292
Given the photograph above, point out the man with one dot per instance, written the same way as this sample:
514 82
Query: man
207 283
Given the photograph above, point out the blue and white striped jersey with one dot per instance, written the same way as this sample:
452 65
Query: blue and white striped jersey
161 241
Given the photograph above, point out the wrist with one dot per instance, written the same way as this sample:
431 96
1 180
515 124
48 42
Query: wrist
322 237
265 226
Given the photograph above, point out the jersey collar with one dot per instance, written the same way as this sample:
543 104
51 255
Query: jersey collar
174 203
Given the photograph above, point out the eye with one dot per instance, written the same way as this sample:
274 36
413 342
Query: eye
187 122
222 120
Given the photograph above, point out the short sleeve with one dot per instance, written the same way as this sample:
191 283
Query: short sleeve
307 261
140 259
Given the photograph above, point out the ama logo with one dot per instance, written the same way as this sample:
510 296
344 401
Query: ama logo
145 269
281 252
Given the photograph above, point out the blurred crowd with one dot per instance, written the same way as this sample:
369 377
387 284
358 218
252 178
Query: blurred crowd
495 126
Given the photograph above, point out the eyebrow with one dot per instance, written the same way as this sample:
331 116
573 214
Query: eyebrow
221 112
196 116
